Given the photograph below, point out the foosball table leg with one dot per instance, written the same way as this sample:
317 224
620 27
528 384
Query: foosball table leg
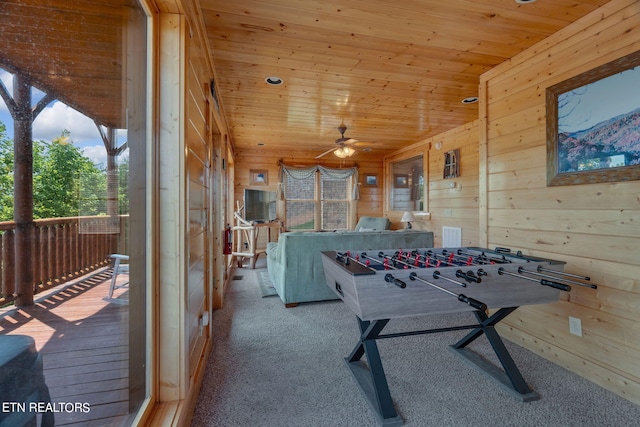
370 376
511 378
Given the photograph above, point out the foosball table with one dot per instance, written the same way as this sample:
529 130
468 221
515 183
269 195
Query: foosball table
380 285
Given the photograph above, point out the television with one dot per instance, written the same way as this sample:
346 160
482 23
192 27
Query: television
259 205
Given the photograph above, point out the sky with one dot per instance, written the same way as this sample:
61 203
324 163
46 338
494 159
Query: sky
604 99
54 119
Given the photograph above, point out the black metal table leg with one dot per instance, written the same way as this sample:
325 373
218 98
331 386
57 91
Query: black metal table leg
510 378
370 376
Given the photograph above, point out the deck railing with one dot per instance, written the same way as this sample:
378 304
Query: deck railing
63 249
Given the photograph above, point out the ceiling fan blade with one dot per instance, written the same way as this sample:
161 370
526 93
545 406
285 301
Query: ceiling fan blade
363 143
327 152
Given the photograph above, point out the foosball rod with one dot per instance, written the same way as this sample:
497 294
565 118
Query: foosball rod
416 258
467 259
562 273
364 255
478 305
393 259
469 276
390 279
427 259
588 285
438 275
446 259
484 256
544 282
347 255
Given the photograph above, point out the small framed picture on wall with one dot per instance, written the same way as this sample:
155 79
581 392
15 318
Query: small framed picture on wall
401 181
258 177
370 180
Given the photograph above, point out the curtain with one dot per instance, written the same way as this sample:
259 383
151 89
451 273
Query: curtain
306 173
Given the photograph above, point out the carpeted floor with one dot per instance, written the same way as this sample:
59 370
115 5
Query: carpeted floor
273 366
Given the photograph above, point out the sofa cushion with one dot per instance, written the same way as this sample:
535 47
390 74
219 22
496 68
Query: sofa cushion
370 223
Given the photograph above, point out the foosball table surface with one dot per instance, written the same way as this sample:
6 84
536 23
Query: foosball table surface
384 284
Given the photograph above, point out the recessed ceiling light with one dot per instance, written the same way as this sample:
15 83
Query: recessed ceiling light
366 150
275 81
470 100
525 1
260 143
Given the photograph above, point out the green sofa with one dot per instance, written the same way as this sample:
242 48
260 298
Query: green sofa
295 266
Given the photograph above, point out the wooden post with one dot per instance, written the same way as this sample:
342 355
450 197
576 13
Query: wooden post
23 190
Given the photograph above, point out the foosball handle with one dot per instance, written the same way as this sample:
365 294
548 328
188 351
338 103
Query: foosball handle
390 279
478 305
556 285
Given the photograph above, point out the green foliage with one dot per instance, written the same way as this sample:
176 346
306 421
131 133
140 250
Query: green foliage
65 182
123 187
6 175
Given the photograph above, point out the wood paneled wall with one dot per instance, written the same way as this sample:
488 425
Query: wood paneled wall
594 227
451 202
370 203
198 143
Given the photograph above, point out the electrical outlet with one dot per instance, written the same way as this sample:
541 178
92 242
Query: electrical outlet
575 326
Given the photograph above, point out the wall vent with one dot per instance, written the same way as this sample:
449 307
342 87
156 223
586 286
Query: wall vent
451 237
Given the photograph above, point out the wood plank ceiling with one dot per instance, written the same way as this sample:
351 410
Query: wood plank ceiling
70 49
395 72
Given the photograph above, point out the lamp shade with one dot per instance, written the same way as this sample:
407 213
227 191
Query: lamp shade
343 152
408 217
340 153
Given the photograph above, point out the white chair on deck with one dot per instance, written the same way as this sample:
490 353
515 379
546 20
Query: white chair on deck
118 267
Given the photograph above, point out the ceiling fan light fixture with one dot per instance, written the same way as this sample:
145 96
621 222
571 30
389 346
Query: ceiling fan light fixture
340 153
344 152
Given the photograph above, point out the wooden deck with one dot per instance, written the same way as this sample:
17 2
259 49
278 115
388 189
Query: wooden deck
83 339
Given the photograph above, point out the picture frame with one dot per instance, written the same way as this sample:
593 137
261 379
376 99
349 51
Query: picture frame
451 164
593 125
401 180
370 180
258 177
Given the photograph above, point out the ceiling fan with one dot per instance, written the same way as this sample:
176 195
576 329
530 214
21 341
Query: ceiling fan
344 146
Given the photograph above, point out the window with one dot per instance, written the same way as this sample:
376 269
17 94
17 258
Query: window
87 157
319 198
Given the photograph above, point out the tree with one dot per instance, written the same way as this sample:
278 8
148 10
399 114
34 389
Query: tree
6 175
65 182
123 187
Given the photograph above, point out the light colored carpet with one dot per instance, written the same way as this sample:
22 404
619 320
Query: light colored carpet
277 366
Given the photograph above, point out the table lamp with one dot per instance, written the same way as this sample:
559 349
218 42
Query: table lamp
408 217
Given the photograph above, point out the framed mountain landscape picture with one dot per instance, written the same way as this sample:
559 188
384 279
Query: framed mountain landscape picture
593 125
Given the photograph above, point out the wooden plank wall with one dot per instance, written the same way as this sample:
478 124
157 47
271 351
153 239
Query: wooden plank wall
198 160
592 227
451 207
370 203
455 206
